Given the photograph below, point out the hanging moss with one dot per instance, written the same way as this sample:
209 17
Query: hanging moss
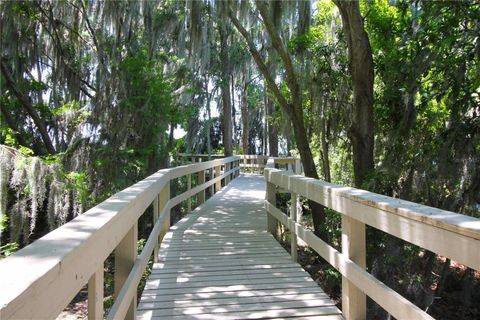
25 183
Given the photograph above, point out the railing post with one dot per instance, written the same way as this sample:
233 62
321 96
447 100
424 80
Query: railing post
201 194
210 177
354 303
163 198
95 295
156 212
293 235
227 177
294 210
218 184
244 163
272 198
125 255
189 186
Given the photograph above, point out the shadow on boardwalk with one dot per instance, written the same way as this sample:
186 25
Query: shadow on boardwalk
220 263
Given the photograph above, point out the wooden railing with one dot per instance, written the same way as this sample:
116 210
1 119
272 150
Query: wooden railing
249 162
40 280
194 157
257 163
446 233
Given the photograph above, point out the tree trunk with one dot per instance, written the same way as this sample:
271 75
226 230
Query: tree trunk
225 86
244 111
324 142
209 119
361 69
272 128
227 123
265 117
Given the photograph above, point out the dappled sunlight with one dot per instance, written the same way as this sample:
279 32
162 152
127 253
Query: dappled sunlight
223 264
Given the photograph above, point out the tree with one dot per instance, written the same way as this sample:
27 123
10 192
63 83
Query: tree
225 79
293 106
361 69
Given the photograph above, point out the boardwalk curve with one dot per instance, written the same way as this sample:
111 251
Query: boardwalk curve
220 263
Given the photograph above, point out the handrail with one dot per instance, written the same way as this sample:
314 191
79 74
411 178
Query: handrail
446 233
40 280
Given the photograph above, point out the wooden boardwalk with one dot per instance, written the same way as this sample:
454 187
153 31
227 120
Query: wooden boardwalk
220 263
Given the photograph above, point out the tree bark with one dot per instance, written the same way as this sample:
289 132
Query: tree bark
29 108
244 111
272 129
362 71
225 86
324 141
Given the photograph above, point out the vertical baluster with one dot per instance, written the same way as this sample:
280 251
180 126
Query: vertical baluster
163 198
294 213
218 184
353 246
272 198
201 180
156 212
95 295
227 177
125 255
189 186
210 174
293 235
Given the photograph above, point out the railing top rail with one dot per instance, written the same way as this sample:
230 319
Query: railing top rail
53 260
200 155
321 190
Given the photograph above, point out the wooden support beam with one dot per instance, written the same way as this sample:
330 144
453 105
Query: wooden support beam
189 186
218 184
227 177
125 255
201 194
271 196
210 177
354 301
95 295
164 196
156 212
293 235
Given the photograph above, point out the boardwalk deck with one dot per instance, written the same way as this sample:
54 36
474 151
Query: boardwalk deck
220 263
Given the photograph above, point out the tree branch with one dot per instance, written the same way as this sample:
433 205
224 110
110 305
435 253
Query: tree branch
277 43
27 105
261 65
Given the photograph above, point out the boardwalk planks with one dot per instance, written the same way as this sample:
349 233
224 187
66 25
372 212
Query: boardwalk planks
220 263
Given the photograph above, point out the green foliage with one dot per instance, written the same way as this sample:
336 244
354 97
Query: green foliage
8 249
7 133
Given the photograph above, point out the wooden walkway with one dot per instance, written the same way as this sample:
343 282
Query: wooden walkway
220 263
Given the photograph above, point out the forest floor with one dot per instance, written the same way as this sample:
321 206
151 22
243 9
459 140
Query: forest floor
77 309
